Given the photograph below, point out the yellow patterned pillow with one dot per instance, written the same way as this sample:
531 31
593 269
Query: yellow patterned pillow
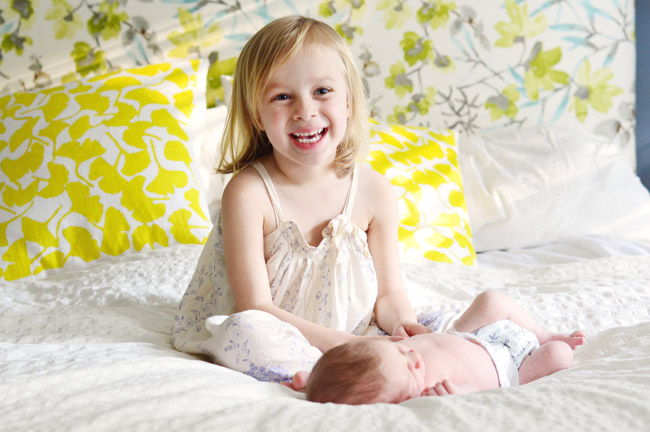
100 167
422 164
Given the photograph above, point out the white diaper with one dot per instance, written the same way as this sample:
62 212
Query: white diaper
508 344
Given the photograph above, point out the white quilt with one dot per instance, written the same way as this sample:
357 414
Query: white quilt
90 350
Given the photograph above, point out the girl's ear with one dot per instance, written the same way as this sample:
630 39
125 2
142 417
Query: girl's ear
257 121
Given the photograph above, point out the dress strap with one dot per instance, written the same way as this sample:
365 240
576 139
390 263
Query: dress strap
271 190
352 192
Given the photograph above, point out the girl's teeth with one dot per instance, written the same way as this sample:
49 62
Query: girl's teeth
308 138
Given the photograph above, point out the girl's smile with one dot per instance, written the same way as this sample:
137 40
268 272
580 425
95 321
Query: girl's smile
306 140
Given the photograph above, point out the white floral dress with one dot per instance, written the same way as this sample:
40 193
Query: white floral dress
333 284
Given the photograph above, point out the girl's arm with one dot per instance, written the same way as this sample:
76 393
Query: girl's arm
243 237
393 310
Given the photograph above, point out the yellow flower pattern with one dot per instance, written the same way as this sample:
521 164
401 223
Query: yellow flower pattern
422 164
99 167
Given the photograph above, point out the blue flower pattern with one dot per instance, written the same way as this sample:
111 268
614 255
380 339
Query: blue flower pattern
519 341
303 280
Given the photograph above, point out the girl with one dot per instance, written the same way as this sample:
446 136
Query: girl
304 252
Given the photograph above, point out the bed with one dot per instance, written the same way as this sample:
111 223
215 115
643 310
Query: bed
107 195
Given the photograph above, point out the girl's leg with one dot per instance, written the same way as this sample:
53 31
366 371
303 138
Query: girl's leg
547 359
492 306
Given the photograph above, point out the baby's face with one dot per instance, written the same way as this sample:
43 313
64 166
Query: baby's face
403 369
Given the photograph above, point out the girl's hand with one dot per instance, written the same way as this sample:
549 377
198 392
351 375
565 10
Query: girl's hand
409 329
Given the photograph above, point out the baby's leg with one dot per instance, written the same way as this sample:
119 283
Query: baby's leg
547 359
491 306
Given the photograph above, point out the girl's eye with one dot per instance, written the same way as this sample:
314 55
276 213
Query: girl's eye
322 91
281 97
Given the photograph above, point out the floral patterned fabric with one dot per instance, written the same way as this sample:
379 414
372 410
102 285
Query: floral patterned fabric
466 65
333 284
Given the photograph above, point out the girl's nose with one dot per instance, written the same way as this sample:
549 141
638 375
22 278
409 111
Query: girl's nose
305 109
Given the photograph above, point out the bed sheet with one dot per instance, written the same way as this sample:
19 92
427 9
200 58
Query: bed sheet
90 350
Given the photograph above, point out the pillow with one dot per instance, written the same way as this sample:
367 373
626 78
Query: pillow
548 182
100 167
206 148
226 83
422 164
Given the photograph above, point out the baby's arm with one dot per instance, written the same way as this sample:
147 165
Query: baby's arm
446 388
393 310
243 237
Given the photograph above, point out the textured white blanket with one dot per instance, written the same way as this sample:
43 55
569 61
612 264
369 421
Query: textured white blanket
90 350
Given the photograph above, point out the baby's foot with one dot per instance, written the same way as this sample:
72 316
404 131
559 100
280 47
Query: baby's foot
574 339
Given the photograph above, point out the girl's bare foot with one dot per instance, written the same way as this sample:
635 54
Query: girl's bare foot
299 381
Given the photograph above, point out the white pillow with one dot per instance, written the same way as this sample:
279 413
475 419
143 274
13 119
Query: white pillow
206 153
226 83
547 182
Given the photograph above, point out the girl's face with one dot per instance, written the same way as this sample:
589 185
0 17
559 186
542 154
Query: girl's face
304 109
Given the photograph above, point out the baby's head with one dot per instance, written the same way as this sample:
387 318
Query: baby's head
370 371
268 49
347 374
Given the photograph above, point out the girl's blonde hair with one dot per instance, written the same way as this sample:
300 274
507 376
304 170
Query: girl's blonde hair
243 140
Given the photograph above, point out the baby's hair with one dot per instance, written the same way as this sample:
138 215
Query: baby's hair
347 374
243 140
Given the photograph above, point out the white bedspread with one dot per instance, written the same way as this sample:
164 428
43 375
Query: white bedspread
90 350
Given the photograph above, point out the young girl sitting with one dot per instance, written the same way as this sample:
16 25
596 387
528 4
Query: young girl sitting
495 343
303 256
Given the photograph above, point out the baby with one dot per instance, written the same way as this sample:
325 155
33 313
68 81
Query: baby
494 343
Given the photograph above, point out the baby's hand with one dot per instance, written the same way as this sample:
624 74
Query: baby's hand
442 388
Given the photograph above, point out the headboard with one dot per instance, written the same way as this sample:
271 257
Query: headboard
473 66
